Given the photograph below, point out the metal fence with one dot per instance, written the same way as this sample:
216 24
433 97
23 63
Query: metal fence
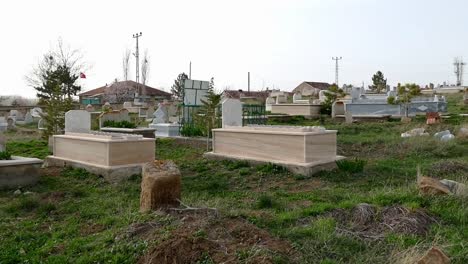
251 114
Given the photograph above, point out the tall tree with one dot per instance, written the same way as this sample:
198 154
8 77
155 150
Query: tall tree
145 67
126 64
177 88
209 114
379 82
55 81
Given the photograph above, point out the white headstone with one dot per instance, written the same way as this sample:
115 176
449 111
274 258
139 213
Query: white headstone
28 119
11 122
160 115
14 113
78 121
232 112
127 105
348 117
36 112
281 99
297 96
89 108
355 93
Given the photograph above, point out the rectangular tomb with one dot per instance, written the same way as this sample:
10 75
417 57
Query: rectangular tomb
306 110
112 155
303 150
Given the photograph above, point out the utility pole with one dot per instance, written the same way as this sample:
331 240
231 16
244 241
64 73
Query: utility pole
459 65
336 59
190 71
248 81
137 57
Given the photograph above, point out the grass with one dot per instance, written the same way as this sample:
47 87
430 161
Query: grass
74 216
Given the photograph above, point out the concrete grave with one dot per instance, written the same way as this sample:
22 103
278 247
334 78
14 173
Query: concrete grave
349 118
303 150
19 172
112 155
268 102
307 110
3 124
36 112
78 121
231 112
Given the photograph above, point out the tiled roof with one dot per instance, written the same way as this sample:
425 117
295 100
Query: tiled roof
131 85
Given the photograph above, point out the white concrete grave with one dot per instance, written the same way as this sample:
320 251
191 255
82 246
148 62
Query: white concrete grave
78 121
231 112
161 114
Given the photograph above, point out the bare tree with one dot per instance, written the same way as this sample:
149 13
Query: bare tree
126 64
118 92
145 67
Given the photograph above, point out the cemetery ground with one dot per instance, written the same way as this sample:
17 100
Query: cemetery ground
264 214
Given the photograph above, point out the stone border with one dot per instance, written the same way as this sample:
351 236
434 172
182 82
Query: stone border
306 169
112 174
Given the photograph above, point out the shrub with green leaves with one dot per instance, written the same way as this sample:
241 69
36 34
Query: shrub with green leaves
119 124
5 155
351 165
191 131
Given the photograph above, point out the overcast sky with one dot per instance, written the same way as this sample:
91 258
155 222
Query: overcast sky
281 43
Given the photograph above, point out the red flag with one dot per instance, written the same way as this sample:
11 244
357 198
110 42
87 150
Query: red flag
82 75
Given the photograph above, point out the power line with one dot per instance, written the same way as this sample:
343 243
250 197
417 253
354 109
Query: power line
336 59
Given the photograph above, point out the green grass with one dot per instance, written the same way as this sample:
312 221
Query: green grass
53 223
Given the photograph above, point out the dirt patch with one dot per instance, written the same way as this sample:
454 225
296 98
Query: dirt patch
53 197
143 231
86 230
289 184
366 222
51 171
446 167
223 240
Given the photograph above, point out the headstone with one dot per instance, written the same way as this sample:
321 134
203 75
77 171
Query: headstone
160 186
348 117
231 112
10 123
89 108
127 105
28 119
161 116
14 113
36 112
2 142
3 124
106 107
281 99
269 101
297 96
78 121
355 93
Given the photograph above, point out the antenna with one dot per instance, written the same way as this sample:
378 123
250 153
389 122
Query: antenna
336 59
459 65
137 57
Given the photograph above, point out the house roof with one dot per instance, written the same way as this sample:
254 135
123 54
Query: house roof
131 85
237 94
319 85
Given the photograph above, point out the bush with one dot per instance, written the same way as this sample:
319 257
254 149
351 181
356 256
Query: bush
353 166
191 131
5 155
119 124
265 201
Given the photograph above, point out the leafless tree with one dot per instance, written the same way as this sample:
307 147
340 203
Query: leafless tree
61 55
118 93
145 67
126 64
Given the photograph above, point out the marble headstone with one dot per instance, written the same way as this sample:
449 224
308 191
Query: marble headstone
78 121
28 119
232 112
161 115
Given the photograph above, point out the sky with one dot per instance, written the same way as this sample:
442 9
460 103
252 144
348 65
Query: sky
280 42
